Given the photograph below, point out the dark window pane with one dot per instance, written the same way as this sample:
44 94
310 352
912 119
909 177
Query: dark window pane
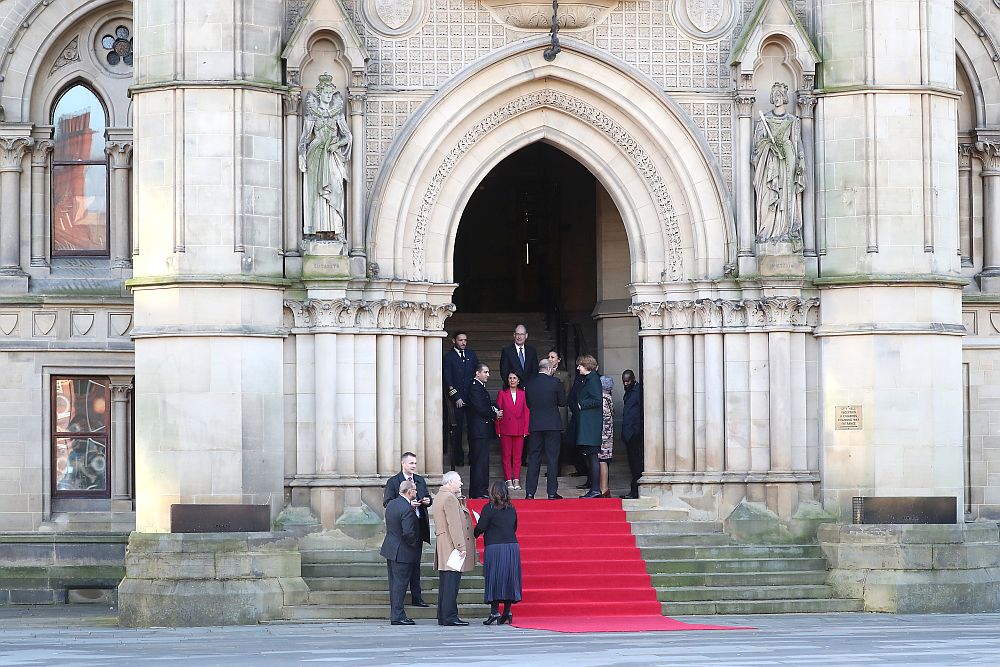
81 464
79 208
81 406
79 127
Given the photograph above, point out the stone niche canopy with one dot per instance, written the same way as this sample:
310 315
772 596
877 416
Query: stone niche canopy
536 15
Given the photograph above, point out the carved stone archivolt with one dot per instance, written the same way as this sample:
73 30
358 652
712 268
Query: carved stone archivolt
555 99
368 315
701 315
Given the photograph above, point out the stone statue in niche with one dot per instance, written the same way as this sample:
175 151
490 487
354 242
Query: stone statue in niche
324 151
778 177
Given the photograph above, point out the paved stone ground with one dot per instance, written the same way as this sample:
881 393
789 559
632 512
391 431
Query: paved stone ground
87 637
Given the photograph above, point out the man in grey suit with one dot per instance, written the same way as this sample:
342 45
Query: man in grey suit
544 395
401 548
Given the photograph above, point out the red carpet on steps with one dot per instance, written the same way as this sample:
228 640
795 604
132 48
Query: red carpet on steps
582 571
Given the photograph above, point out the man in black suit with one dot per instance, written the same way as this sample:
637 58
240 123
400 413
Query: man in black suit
482 415
408 473
632 429
518 358
458 369
401 548
544 395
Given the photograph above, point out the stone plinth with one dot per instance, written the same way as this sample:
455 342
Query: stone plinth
908 569
188 579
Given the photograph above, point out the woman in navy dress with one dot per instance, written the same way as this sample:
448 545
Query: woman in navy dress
502 557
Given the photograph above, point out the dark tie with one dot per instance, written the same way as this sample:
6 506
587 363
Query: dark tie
461 354
520 355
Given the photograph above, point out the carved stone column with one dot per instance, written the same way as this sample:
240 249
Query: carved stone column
989 153
807 107
965 203
121 467
744 180
39 202
356 97
12 152
291 106
120 154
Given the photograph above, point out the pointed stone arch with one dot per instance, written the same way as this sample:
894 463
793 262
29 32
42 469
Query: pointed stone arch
641 147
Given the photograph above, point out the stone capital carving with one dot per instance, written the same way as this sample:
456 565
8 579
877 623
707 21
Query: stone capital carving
707 314
301 316
291 101
12 152
806 104
40 152
356 99
679 315
120 153
120 390
650 314
988 153
744 102
965 156
436 316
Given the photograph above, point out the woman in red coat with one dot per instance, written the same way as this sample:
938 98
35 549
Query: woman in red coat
512 429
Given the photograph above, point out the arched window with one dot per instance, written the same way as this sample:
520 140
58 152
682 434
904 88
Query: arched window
79 175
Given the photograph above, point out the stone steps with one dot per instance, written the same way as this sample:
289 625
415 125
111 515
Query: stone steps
757 593
739 607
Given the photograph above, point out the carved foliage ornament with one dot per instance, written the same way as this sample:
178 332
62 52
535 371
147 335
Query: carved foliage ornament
69 54
715 314
368 314
639 157
536 15
12 151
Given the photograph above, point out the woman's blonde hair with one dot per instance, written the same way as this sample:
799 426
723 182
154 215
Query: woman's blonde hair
587 361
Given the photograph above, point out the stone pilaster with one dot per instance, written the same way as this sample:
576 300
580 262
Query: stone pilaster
745 99
120 160
890 282
13 149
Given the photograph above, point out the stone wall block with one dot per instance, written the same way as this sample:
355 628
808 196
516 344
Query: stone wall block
964 556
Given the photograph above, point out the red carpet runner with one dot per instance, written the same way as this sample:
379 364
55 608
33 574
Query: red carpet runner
582 571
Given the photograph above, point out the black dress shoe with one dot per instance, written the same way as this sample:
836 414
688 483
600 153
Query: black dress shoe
491 619
419 603
404 621
592 494
457 621
585 485
630 496
529 496
555 496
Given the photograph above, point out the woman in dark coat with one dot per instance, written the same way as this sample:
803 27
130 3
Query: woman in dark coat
590 420
502 556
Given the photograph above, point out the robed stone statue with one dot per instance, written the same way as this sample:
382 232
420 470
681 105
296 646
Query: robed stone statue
324 151
778 178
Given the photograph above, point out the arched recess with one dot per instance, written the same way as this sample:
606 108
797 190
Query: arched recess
978 55
641 147
30 83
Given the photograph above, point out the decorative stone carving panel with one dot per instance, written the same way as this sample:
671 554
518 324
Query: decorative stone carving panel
536 15
706 19
69 54
348 314
395 18
718 314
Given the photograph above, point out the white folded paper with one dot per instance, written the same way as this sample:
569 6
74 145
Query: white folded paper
475 514
455 561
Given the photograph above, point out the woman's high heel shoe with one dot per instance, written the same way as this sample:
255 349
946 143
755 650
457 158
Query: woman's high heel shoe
506 617
493 618
606 494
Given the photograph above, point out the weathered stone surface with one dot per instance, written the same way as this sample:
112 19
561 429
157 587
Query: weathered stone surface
209 579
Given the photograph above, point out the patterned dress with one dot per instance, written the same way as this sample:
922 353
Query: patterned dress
607 429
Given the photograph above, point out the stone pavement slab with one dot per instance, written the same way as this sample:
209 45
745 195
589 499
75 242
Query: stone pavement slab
86 637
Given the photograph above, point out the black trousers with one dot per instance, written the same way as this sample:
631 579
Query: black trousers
547 442
416 594
399 576
636 463
448 583
479 467
457 452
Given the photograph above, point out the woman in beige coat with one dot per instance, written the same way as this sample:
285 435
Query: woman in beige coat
453 531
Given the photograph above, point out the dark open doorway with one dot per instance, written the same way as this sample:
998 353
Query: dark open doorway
527 244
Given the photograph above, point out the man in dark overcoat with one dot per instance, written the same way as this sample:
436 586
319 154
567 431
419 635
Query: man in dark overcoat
408 473
544 395
401 548
458 368
632 429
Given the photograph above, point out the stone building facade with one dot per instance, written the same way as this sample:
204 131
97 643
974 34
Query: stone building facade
175 327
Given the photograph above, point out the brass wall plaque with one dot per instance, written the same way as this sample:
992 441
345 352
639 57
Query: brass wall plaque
848 418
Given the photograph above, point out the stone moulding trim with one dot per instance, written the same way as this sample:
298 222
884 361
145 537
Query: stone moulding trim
207 281
732 477
894 328
195 331
554 99
379 316
715 315
908 280
333 479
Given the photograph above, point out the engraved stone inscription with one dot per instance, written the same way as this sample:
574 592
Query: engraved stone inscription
848 418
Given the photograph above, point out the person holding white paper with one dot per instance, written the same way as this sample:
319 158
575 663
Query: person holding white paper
455 547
